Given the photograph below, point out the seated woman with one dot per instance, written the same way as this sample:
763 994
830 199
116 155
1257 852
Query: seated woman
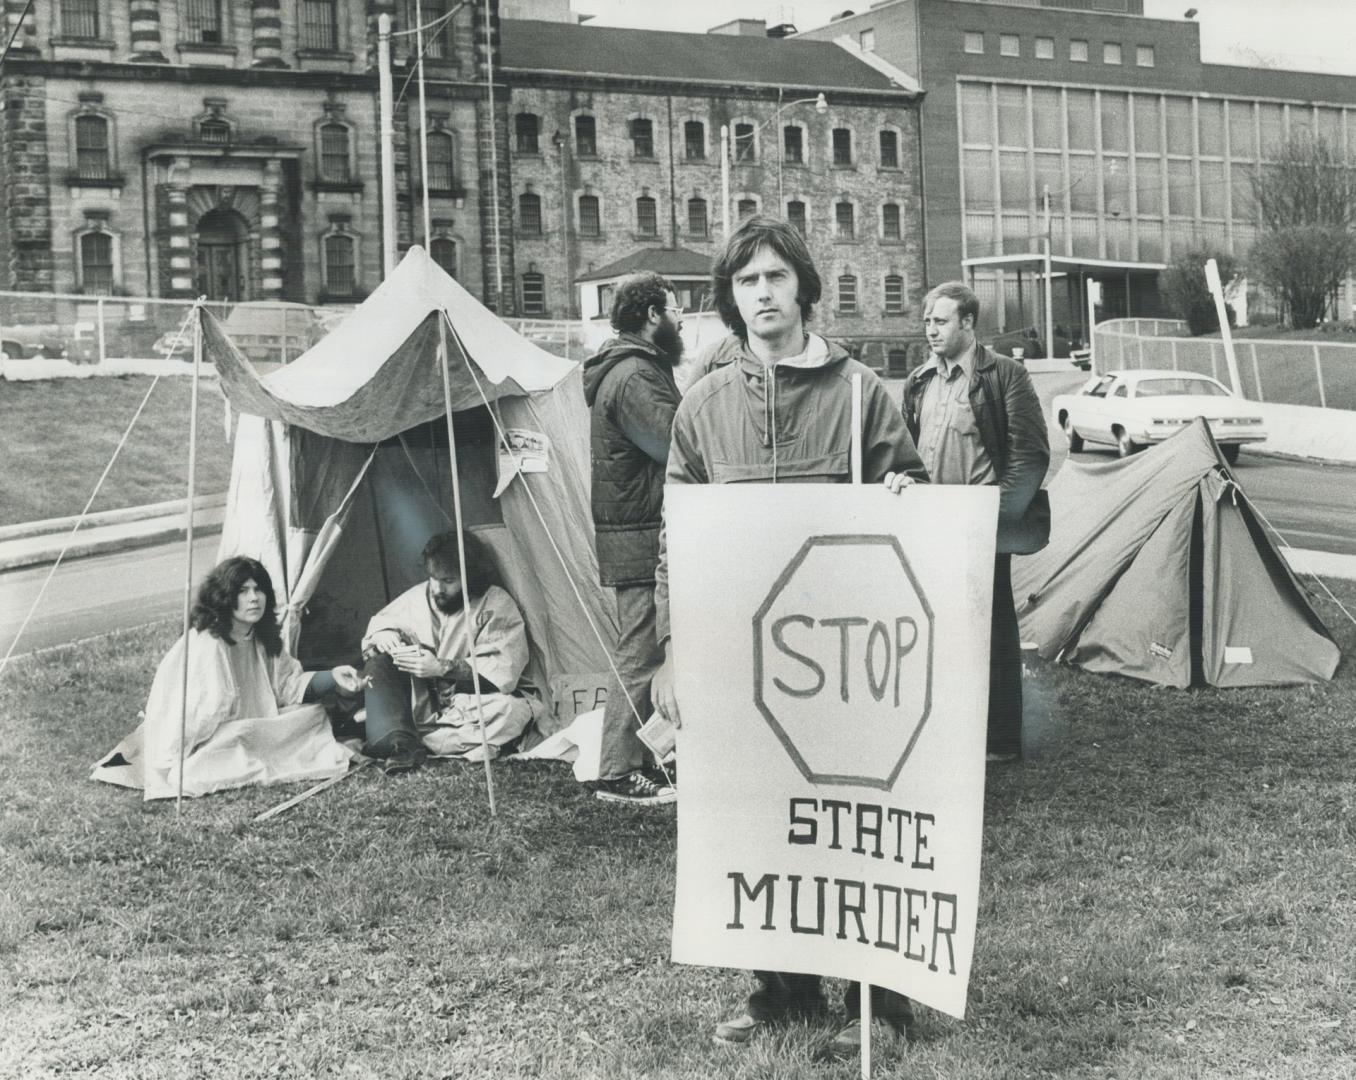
253 714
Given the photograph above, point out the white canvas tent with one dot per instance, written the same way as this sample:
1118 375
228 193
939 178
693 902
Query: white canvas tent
1159 568
340 475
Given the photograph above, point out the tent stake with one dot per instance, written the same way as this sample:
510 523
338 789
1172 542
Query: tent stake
461 553
188 543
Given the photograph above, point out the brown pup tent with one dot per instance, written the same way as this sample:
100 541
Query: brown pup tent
1159 568
341 472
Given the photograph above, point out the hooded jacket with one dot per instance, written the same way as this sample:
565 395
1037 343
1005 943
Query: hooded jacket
632 396
723 430
1011 427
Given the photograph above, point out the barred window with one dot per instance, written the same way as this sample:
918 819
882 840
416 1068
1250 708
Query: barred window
96 262
217 131
889 221
696 217
793 145
526 131
529 213
441 162
642 137
894 294
438 44
842 146
845 220
795 215
747 208
91 148
847 294
534 294
320 25
585 136
743 143
443 251
647 217
694 140
334 156
590 220
80 18
340 277
889 149
202 21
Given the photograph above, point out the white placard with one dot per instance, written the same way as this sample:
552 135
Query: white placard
832 650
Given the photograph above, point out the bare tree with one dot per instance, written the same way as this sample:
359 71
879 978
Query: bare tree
1306 205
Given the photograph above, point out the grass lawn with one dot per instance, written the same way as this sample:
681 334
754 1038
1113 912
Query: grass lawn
1169 891
57 436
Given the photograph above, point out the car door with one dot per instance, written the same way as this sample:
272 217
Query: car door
1088 414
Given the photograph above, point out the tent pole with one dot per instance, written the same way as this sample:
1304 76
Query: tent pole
461 554
188 544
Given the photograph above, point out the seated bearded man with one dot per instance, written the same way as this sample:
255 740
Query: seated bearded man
422 692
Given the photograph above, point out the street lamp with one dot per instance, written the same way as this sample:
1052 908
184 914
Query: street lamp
821 107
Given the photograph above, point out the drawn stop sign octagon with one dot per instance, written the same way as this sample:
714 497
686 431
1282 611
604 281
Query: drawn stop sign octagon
842 659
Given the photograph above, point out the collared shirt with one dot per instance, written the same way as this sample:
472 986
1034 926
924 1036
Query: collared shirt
948 437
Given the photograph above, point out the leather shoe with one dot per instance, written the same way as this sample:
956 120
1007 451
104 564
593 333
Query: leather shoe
399 752
738 1031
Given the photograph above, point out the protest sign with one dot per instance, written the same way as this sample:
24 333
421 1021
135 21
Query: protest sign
831 649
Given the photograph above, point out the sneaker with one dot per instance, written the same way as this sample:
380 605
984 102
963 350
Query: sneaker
738 1031
637 789
848 1041
399 752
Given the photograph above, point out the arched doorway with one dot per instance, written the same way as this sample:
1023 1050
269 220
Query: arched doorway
222 256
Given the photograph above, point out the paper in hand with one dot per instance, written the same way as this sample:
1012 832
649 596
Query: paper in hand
659 735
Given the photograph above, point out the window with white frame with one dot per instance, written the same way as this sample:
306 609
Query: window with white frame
694 140
1045 48
697 222
442 172
745 142
585 135
842 146
867 40
80 18
1111 53
1078 51
1009 45
201 22
793 144
1144 56
642 137
847 294
534 293
889 148
439 44
974 41
894 294
796 216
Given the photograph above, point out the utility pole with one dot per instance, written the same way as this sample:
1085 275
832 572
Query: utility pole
386 94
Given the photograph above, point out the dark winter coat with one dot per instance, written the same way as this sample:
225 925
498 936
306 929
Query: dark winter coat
631 393
1012 428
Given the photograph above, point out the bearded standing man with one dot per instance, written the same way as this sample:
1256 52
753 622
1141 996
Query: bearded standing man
977 419
778 409
632 396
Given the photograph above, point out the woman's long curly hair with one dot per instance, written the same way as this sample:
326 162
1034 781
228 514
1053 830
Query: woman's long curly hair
217 599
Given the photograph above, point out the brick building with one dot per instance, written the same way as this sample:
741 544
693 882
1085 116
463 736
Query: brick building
230 147
1144 149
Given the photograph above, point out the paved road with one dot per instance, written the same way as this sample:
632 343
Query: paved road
1314 506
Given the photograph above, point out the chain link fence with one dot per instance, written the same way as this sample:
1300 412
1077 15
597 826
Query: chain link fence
1315 373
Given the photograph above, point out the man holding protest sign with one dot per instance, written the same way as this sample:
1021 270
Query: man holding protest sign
632 395
780 409
977 419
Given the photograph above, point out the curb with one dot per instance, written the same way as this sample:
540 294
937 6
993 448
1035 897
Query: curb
160 531
59 526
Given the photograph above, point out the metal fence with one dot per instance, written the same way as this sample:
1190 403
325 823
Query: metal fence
1315 373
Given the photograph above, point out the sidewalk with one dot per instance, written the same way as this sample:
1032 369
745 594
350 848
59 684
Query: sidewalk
40 543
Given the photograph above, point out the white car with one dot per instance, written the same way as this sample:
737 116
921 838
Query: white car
1133 409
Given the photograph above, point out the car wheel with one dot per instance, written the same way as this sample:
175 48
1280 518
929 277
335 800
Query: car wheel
1075 439
1230 452
1125 446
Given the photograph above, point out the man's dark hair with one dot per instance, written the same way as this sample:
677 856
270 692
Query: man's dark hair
967 303
440 553
753 234
217 597
635 296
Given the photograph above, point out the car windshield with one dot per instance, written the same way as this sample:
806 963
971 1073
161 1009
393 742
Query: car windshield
1174 387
